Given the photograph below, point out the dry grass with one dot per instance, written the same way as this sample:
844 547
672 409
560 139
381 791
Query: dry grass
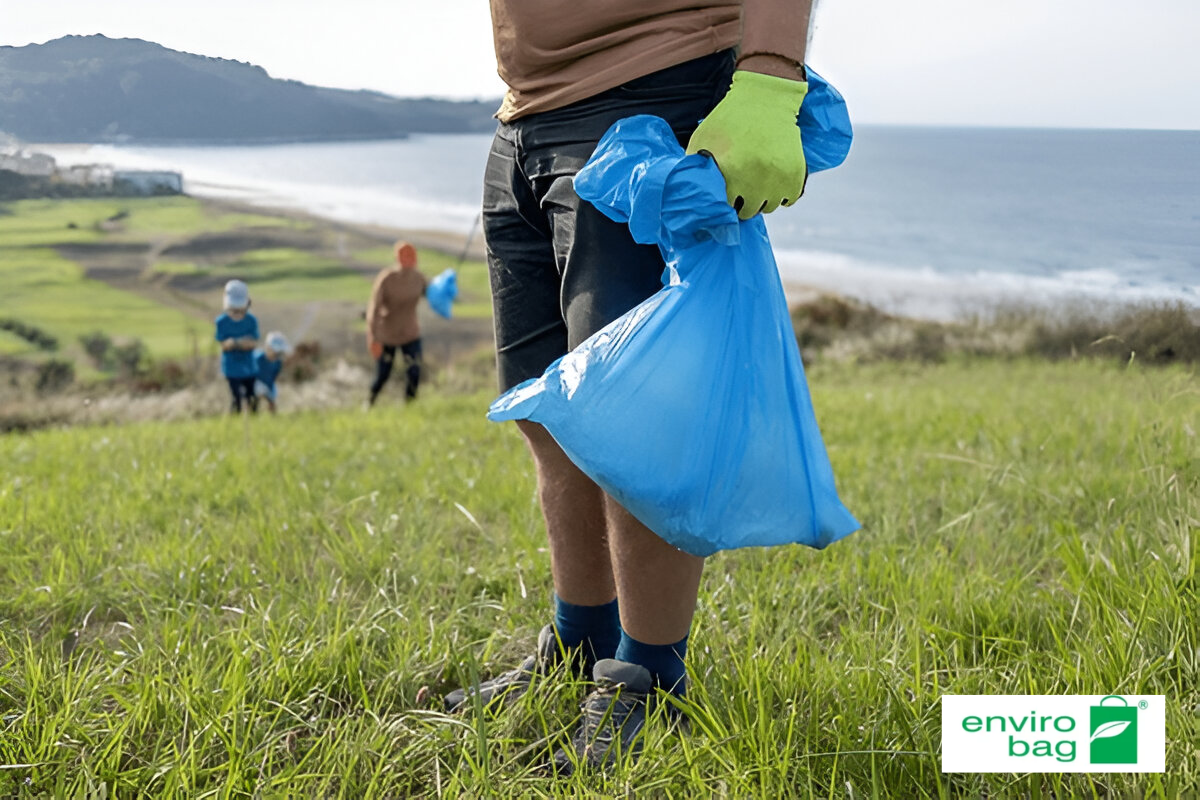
843 329
341 385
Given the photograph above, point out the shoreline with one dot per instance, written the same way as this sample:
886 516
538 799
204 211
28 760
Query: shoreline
445 242
915 299
448 243
911 266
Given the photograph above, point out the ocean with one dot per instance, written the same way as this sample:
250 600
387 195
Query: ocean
937 223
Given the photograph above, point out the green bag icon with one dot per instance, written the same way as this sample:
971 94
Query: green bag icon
1113 732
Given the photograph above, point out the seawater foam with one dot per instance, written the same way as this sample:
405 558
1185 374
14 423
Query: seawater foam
365 206
929 294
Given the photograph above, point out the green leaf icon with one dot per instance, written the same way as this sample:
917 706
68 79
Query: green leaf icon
1110 729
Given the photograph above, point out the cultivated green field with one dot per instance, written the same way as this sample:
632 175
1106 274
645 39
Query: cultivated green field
153 268
27 223
45 289
249 608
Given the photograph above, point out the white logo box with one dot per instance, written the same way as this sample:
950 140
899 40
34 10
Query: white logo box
1048 733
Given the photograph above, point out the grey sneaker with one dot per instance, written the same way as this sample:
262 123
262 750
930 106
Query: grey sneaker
515 682
613 716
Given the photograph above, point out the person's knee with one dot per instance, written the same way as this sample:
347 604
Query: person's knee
556 472
536 436
548 456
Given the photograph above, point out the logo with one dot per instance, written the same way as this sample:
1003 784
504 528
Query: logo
1049 733
1114 732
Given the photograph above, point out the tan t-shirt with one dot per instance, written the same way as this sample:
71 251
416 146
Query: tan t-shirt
554 52
392 309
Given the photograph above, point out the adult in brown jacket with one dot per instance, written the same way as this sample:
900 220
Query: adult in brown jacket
392 321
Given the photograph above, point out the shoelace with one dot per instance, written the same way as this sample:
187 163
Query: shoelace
605 710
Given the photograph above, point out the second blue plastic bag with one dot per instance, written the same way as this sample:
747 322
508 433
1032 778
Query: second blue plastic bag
442 291
824 124
691 409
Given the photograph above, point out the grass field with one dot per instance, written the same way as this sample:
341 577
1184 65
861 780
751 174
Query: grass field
153 268
34 223
290 275
232 608
43 288
11 344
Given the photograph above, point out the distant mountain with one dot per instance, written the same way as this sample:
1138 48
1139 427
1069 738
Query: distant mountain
96 89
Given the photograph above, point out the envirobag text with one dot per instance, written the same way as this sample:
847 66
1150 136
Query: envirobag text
692 408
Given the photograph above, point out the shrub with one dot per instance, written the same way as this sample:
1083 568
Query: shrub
99 348
304 361
820 321
30 333
54 375
165 375
130 357
1158 334
841 328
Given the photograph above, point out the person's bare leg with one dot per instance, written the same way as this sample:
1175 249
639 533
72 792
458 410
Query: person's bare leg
575 522
657 583
579 561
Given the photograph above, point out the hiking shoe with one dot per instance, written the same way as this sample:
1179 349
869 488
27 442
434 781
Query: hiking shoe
511 684
613 716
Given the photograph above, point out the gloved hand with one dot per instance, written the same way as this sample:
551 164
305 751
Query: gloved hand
753 137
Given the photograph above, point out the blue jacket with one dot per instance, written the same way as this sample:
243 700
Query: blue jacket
237 363
265 369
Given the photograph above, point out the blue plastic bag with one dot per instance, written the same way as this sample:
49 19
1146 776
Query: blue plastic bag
441 292
691 409
825 129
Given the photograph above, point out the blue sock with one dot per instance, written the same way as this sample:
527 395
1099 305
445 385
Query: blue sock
598 628
664 661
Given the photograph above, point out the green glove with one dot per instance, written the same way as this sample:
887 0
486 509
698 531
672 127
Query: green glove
753 137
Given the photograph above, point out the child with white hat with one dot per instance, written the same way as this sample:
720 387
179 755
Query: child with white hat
237 331
268 363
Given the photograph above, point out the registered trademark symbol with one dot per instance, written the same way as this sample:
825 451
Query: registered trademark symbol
1143 705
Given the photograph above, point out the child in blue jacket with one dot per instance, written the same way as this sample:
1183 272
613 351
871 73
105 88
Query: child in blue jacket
237 331
268 363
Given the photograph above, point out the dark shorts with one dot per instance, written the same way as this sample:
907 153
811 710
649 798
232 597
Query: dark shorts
560 270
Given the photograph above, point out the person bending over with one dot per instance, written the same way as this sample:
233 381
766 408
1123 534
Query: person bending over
268 363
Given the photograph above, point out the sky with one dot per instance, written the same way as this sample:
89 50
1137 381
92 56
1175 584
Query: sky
1052 63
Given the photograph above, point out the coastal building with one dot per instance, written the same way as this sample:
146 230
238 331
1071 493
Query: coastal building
24 173
147 182
99 176
37 165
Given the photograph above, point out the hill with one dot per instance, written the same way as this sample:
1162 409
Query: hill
253 607
147 273
94 89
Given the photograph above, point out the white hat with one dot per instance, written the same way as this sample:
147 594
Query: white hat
278 342
237 295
